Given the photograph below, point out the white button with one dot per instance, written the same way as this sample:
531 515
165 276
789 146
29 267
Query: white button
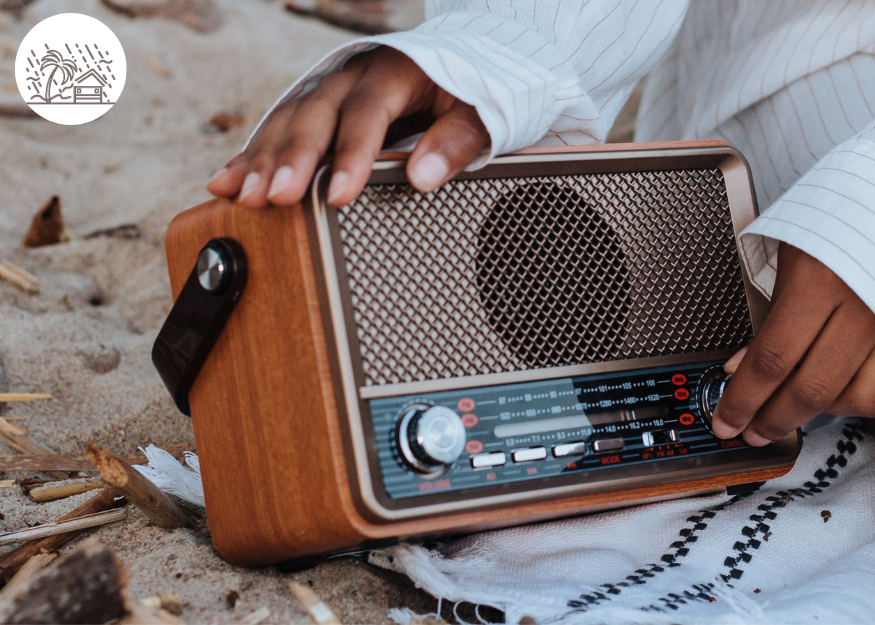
527 455
494 459
577 448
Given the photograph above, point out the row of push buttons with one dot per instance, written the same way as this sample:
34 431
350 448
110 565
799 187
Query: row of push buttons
575 448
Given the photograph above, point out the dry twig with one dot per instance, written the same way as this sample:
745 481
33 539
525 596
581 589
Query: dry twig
53 493
18 439
19 277
316 608
62 527
6 397
78 463
157 505
16 110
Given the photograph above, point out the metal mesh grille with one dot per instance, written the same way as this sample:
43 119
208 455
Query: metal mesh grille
488 276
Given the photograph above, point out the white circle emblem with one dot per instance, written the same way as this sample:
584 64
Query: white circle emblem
70 69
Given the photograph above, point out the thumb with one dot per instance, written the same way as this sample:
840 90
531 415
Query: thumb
453 142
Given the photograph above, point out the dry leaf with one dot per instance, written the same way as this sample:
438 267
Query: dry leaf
47 226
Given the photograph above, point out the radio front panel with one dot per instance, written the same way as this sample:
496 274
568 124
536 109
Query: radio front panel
559 432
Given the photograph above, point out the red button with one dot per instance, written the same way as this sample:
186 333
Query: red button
469 420
686 419
682 394
678 379
473 447
466 404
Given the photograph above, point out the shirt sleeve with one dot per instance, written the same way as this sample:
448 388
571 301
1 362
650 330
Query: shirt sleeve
829 214
546 71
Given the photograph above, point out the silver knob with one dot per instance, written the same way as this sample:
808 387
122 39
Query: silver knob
430 438
211 268
711 389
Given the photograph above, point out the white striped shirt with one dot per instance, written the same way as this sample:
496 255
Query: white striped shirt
791 83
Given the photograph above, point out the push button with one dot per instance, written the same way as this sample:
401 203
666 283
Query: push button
530 454
608 444
660 437
493 459
577 448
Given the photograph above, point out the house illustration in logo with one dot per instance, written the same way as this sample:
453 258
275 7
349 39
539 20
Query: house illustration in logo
89 88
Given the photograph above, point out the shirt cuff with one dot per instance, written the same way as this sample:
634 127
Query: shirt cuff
517 93
829 214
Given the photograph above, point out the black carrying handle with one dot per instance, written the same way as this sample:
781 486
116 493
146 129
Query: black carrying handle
198 316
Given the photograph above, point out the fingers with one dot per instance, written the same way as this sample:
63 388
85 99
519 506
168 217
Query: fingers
453 142
806 294
789 330
384 95
837 354
281 159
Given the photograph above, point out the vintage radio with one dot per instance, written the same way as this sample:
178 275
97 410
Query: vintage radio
540 338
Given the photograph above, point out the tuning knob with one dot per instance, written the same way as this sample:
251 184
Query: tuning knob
710 391
430 438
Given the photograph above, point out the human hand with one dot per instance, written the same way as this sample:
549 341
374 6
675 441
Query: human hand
352 110
813 354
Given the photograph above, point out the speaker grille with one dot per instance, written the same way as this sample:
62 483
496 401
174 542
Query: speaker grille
496 275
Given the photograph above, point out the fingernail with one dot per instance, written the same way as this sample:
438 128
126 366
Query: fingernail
249 184
755 440
429 172
722 429
731 365
281 180
337 186
219 173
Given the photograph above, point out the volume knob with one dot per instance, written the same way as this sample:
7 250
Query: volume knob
711 389
430 438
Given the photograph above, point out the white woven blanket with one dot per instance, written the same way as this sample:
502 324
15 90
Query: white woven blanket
801 549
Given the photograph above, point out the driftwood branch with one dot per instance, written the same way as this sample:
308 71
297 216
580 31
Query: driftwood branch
16 110
62 527
87 586
126 480
79 463
11 562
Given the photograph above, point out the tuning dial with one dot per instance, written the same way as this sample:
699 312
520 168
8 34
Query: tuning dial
711 389
430 438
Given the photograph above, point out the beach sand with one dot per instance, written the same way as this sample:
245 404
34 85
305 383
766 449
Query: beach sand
86 337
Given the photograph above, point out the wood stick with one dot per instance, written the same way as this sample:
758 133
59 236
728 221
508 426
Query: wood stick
316 608
18 439
261 614
11 562
126 480
5 397
7 483
79 463
19 277
87 586
51 529
53 493
8 418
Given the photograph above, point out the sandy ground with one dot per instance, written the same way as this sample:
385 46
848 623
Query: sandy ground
86 338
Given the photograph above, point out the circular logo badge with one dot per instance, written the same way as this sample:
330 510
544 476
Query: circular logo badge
70 69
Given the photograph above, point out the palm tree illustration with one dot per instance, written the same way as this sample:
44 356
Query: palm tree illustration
55 61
